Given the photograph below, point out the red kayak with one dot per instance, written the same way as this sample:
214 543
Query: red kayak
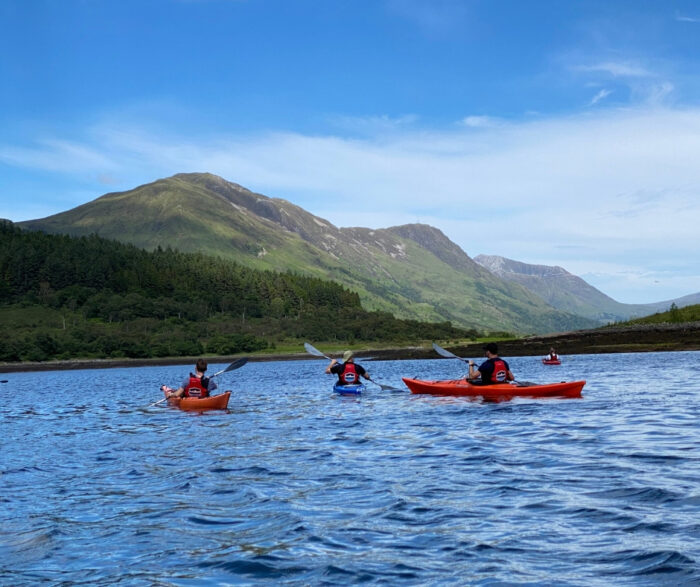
214 402
551 362
497 391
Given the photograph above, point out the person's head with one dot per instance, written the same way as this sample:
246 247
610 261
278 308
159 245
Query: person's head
347 356
491 348
201 365
551 350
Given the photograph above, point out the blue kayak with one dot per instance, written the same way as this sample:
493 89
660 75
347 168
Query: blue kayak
353 389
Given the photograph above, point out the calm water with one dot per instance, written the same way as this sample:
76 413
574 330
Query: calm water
297 486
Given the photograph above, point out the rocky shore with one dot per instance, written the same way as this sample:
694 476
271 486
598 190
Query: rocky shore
612 339
622 339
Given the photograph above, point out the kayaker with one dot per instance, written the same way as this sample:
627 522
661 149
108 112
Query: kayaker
492 370
348 371
196 385
552 356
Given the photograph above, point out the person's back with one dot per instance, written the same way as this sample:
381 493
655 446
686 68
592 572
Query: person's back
348 371
196 385
493 370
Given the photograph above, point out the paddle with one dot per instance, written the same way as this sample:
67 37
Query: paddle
235 365
314 351
445 353
238 363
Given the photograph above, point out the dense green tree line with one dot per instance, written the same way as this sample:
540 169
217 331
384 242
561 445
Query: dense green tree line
101 298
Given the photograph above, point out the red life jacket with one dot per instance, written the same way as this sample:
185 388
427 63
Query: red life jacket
500 372
195 388
349 374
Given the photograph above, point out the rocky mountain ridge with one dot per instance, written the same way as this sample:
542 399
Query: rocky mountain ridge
570 293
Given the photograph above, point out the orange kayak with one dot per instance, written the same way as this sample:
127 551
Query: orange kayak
497 391
551 362
214 402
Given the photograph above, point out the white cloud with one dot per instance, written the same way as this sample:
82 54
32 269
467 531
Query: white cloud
59 156
616 69
656 94
601 95
372 125
681 18
480 121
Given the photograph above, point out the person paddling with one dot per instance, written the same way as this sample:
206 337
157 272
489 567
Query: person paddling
492 370
552 356
196 385
348 371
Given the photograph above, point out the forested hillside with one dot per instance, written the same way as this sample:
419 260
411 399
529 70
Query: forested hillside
69 297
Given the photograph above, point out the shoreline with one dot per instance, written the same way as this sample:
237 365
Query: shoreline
623 339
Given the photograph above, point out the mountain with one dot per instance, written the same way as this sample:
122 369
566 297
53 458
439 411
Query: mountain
412 271
570 293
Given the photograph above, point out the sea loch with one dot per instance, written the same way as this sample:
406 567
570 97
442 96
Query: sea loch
295 485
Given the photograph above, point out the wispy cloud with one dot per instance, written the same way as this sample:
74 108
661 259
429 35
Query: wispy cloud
480 121
57 155
682 18
637 84
600 96
615 69
373 124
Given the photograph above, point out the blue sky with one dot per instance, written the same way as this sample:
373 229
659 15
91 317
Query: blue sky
550 132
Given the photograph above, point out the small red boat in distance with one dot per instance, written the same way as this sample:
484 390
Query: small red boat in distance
551 361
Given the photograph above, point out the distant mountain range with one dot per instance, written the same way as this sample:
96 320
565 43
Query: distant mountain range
412 271
570 293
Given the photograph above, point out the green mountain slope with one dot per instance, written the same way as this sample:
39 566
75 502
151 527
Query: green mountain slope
570 293
412 271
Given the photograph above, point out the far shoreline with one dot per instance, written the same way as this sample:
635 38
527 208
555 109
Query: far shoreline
622 339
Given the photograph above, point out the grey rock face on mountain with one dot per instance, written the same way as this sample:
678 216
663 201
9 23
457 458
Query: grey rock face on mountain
570 293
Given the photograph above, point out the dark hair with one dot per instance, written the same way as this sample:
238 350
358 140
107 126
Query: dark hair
201 365
491 347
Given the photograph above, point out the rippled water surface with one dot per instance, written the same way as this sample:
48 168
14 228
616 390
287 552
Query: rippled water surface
294 485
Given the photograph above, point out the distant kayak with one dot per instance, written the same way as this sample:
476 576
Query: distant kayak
354 389
214 402
497 391
551 362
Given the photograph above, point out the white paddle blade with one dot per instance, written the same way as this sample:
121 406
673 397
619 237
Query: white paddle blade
447 354
314 351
